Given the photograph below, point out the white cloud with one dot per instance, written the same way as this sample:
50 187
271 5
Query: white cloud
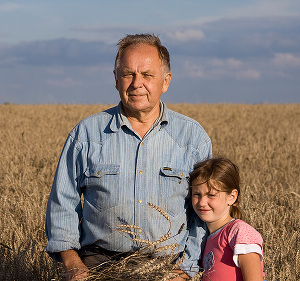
64 83
286 59
8 61
228 63
219 69
266 8
186 35
193 70
9 7
55 70
247 74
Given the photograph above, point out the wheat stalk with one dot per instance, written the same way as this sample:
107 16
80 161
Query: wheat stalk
128 232
160 210
128 226
143 264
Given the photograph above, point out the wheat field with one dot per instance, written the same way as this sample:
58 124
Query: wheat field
263 140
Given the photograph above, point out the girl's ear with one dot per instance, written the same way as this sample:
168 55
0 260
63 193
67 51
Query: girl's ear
232 197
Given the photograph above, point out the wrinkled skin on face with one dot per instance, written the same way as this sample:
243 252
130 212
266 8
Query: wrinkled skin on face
140 80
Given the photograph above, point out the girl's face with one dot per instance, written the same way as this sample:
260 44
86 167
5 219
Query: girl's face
212 206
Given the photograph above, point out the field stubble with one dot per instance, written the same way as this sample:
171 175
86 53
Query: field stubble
262 139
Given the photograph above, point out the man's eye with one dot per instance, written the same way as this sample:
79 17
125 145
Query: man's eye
126 75
210 195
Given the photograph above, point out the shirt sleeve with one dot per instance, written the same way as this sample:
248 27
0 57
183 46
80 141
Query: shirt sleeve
197 228
194 245
242 249
244 239
64 209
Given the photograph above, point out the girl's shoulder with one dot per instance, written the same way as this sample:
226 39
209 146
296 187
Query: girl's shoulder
240 232
239 223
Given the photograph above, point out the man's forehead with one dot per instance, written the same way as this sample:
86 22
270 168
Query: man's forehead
140 50
141 61
139 46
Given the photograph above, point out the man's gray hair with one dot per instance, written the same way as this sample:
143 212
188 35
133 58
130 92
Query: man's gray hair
145 38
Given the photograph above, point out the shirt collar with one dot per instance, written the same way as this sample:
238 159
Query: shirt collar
120 118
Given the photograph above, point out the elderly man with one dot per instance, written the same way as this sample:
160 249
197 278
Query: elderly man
121 159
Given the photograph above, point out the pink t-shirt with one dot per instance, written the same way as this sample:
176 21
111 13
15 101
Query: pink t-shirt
220 256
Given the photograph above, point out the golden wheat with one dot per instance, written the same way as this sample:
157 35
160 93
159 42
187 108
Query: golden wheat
263 140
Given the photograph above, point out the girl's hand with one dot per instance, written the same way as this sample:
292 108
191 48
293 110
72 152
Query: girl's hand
250 265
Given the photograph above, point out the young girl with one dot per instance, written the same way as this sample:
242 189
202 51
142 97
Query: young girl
233 249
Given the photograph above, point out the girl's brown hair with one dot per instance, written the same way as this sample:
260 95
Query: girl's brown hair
220 174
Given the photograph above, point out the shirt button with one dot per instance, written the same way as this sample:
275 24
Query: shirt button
141 172
142 143
98 172
181 174
140 231
140 201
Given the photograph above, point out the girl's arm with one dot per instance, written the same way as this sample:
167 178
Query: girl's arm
250 265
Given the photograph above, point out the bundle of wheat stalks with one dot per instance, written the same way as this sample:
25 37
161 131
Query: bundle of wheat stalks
146 263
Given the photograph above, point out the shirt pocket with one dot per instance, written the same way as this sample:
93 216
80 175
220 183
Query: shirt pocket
173 190
102 186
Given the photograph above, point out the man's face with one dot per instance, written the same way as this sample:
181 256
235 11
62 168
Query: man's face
140 79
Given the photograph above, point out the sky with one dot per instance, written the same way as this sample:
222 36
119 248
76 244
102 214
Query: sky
233 51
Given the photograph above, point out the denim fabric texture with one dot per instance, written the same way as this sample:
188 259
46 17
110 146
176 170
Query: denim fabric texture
118 173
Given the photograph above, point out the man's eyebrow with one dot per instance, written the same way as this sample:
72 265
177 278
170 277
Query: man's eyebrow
127 70
147 71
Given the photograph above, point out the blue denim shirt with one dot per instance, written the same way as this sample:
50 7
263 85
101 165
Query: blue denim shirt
118 173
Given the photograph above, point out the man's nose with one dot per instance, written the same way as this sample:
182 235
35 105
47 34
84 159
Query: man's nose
137 81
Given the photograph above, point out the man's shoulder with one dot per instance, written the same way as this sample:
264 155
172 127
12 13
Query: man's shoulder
185 130
175 116
101 117
181 123
94 124
105 114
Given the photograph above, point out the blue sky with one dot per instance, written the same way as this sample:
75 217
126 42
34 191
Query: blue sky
229 51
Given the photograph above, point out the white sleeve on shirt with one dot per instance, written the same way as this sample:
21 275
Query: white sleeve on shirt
241 249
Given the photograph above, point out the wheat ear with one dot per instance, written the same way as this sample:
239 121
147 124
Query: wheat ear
160 210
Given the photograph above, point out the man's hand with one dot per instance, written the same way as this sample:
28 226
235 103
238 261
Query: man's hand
75 269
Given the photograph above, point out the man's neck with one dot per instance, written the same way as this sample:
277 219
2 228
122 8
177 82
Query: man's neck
141 121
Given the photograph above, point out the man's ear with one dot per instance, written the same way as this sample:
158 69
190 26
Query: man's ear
116 79
167 81
233 196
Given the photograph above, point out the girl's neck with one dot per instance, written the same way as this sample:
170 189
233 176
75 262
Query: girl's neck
215 226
